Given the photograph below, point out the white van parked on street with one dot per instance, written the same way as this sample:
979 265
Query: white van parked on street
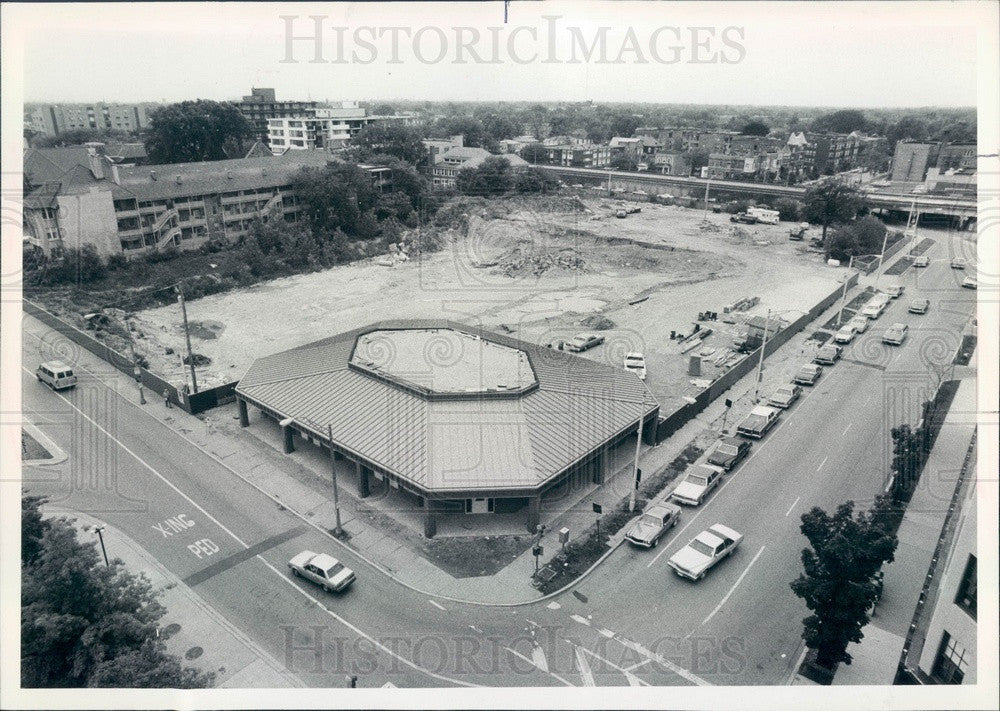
56 374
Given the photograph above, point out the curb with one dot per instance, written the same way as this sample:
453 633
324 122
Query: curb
58 455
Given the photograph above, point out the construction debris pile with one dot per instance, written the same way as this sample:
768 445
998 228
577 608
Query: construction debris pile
520 263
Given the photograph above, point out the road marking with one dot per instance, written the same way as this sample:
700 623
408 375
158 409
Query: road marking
582 620
584 666
606 633
240 556
822 463
635 666
847 428
438 606
680 671
633 680
792 506
286 579
553 605
475 629
534 663
735 585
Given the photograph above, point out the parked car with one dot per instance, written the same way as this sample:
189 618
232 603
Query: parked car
784 396
827 355
970 283
322 569
56 374
958 263
728 453
744 218
872 310
583 341
921 260
859 324
758 422
894 290
651 526
636 363
845 334
881 297
895 334
919 306
705 550
699 481
808 374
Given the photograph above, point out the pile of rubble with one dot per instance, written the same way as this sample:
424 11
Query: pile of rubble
707 226
519 263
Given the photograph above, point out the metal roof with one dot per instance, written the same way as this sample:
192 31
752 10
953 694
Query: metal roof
453 444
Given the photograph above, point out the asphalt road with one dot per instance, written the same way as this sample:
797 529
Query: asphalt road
633 622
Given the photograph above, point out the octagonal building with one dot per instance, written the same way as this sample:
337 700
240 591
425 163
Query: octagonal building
459 419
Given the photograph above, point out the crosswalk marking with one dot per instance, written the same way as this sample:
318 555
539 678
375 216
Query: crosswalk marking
582 620
584 666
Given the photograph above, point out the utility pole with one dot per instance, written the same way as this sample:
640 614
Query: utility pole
843 296
881 259
337 531
100 536
187 337
635 466
760 360
707 184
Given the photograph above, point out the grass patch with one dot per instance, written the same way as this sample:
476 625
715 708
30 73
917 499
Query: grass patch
964 354
851 308
474 556
820 337
31 449
900 266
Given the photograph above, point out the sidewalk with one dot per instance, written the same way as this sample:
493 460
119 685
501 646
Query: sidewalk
193 630
877 656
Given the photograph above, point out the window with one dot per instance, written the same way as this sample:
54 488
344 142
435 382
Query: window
966 597
950 663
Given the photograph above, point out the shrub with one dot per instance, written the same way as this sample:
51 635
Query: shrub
117 262
789 210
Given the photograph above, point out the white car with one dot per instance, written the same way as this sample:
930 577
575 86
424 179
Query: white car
705 550
958 263
872 310
784 396
894 290
322 569
895 334
636 363
583 341
650 527
921 261
845 334
700 480
859 324
970 283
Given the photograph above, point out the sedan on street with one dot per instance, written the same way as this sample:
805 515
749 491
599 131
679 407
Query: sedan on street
728 452
583 341
784 396
700 480
322 569
827 355
895 334
970 283
705 550
845 334
650 527
922 261
919 306
958 263
872 310
859 324
808 374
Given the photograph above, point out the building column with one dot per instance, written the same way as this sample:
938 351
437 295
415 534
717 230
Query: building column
600 463
649 428
534 512
364 482
287 434
430 518
241 405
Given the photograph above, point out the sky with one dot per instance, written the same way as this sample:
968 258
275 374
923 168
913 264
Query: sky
805 54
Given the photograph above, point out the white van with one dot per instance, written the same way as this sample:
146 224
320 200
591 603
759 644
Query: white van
768 217
56 374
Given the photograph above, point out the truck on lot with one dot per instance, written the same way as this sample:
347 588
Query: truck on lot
758 422
763 215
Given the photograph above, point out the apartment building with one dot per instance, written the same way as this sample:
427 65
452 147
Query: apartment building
262 105
56 119
436 147
81 197
329 128
578 155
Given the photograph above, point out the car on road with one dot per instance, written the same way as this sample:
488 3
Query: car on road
636 363
650 527
872 310
322 569
583 341
919 306
758 422
728 453
970 283
705 550
895 334
921 260
894 290
56 374
845 334
808 374
859 324
827 355
784 396
958 263
697 484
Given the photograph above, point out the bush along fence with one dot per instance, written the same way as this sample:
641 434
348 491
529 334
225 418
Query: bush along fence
684 414
192 403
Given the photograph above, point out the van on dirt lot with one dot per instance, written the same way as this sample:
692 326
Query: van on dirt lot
56 374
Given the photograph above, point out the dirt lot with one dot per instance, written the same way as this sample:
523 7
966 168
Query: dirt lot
539 270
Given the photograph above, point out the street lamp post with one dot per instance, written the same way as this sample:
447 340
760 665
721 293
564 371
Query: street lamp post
760 359
881 259
100 537
635 466
337 531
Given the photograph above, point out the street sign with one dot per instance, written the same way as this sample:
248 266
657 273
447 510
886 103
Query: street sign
598 509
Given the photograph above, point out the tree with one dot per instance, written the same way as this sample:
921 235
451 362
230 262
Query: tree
335 197
535 153
535 180
755 128
84 623
863 236
79 136
624 161
840 580
830 202
493 177
624 125
789 210
197 131
908 127
391 138
844 121
470 128
698 160
499 127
